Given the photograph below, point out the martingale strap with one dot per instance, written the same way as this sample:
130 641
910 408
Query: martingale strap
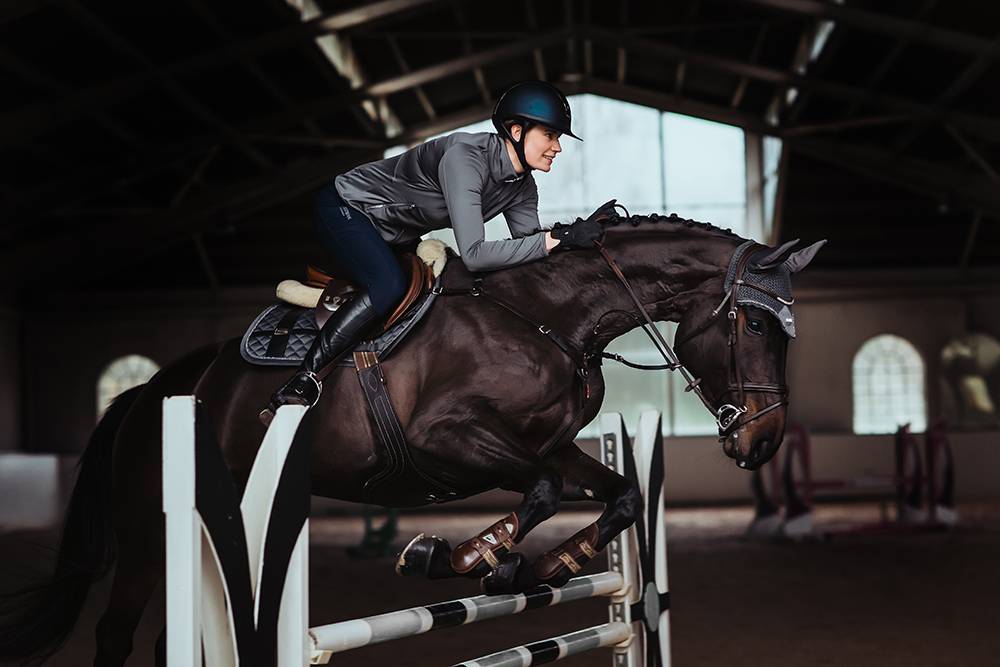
397 468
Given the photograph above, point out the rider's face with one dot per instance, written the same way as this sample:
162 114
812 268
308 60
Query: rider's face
541 145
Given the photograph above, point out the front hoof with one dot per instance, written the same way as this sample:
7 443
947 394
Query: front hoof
416 557
503 578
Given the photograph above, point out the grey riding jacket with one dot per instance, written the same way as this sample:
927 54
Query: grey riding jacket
457 181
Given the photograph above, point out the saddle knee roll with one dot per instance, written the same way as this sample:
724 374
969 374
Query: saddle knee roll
487 546
572 554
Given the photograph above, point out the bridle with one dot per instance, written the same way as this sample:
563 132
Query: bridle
729 417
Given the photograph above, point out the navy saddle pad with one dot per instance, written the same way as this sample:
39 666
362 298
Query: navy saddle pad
283 333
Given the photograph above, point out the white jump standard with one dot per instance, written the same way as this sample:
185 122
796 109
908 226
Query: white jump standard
237 583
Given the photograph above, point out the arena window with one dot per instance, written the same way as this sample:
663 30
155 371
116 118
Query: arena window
120 375
888 386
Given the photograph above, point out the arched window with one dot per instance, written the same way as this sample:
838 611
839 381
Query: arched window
888 378
120 375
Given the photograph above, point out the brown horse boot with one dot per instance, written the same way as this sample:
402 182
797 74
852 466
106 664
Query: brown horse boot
557 566
486 547
339 335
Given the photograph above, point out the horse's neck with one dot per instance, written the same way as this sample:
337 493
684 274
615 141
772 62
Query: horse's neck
578 294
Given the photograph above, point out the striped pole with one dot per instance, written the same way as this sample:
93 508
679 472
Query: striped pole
556 648
355 633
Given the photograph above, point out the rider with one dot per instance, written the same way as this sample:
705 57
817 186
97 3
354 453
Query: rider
457 181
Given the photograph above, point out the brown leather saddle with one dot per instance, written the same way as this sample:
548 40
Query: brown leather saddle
338 291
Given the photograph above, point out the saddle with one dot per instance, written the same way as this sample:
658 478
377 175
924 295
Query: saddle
335 292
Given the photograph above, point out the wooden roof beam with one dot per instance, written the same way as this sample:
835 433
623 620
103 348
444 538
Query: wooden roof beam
175 90
884 24
981 125
669 102
932 180
22 125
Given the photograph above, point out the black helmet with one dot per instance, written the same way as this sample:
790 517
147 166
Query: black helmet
532 103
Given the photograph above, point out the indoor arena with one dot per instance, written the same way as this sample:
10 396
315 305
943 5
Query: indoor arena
631 333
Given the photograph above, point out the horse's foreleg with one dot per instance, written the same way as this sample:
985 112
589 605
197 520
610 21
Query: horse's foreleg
583 479
477 557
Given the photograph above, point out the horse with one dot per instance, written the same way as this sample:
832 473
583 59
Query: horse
489 395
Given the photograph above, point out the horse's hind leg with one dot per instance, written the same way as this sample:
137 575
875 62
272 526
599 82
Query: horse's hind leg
138 571
433 557
583 479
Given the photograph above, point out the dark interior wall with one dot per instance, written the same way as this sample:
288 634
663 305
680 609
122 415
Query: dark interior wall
66 352
10 379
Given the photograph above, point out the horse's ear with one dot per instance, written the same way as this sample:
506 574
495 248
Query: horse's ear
774 257
800 259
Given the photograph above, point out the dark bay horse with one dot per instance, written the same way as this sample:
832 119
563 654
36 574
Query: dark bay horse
486 401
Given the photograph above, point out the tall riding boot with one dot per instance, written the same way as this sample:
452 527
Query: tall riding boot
339 335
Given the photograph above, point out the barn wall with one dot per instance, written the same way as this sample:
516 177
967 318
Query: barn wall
10 379
833 323
68 351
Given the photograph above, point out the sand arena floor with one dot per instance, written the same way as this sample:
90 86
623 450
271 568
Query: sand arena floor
878 599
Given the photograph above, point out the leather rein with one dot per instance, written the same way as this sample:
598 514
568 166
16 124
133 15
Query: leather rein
729 417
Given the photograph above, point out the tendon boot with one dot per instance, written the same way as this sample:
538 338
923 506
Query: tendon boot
339 335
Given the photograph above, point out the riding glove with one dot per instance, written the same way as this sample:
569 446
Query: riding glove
584 233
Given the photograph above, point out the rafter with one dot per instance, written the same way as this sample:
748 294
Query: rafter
930 179
623 18
884 24
425 102
970 74
529 14
170 85
201 8
876 76
59 90
27 123
970 241
981 125
681 70
477 71
669 102
741 87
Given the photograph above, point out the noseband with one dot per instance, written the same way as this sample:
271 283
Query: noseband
729 417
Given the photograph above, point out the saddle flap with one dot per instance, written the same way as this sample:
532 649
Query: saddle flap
337 291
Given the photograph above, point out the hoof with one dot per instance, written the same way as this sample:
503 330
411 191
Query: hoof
503 579
416 557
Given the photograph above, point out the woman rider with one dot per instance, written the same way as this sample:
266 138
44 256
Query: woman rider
457 181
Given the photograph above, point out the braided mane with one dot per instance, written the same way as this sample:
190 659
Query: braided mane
673 218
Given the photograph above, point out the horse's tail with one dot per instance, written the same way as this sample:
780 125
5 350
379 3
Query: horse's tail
35 621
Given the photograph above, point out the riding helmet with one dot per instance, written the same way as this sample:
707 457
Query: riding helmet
532 103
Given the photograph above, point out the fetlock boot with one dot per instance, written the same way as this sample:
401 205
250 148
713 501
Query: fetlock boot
339 335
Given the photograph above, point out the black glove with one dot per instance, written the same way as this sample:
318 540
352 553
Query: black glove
583 233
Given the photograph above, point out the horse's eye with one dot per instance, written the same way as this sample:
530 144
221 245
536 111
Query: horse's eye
755 326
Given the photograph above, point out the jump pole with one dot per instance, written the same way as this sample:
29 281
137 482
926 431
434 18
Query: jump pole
207 604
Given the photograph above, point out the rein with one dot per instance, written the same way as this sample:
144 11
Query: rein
729 417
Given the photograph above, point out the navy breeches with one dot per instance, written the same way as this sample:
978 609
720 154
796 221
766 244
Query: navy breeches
358 249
